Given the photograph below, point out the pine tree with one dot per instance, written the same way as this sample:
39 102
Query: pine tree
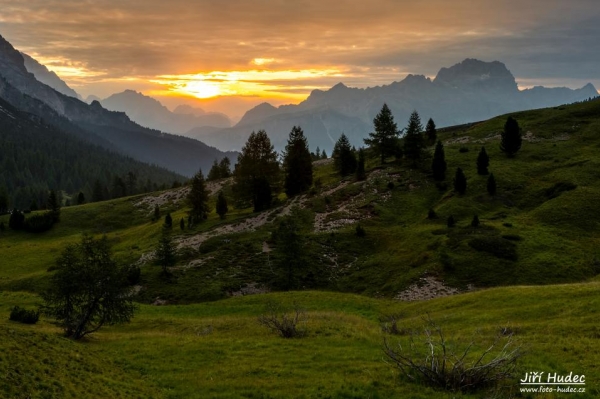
413 139
16 220
323 154
156 213
198 198
386 131
438 164
431 131
222 208
491 185
360 168
225 168
483 161
98 192
475 221
451 222
165 252
297 163
511 139
344 160
80 198
257 169
168 221
460 181
317 154
53 205
215 172
182 224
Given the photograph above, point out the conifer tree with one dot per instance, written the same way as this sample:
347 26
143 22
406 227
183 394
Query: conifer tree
156 213
510 141
297 163
182 224
483 161
438 164
165 252
431 131
386 132
168 221
225 168
413 139
198 198
257 173
80 198
222 208
344 160
215 171
491 185
451 222
360 168
475 221
323 154
53 205
317 154
460 181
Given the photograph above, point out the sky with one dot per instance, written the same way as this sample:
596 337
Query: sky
228 56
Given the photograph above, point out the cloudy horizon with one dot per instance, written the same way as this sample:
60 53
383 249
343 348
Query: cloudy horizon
229 57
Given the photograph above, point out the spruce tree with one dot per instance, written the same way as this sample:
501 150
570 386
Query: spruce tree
80 198
182 224
431 131
53 205
257 172
165 252
3 201
510 141
360 168
386 131
198 198
344 160
168 221
317 154
225 168
413 139
438 165
297 163
451 222
460 181
483 161
475 221
215 171
222 208
491 185
323 154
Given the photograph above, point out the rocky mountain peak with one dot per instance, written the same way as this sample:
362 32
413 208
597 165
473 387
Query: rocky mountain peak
475 74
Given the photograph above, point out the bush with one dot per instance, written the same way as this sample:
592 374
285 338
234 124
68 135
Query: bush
451 222
134 274
286 325
40 222
24 316
456 367
390 185
431 214
475 221
512 237
360 231
463 150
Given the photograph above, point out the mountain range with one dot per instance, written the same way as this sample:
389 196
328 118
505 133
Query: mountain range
469 91
93 123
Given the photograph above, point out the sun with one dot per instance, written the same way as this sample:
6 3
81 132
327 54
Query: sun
202 89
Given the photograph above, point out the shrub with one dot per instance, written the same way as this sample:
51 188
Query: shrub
475 221
40 222
283 323
451 222
390 185
452 366
463 150
24 316
431 214
496 246
133 274
507 224
512 237
360 231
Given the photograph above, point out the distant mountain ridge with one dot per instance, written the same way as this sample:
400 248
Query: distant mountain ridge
149 112
469 91
113 130
48 77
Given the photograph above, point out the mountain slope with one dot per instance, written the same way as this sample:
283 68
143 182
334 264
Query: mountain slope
182 155
36 157
48 77
470 91
151 113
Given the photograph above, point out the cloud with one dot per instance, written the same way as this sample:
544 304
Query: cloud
372 43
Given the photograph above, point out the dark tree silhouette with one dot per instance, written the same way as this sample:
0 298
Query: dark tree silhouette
165 252
483 161
386 133
182 224
438 165
460 181
297 163
16 220
257 172
413 139
475 221
344 159
198 198
88 290
215 172
360 168
222 208
510 141
451 222
156 213
168 221
431 131
491 185
225 167
53 205
80 198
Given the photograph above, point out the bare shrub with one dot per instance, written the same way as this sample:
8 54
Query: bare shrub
454 367
287 324
389 325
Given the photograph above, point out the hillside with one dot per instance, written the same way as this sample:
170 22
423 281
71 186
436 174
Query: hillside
537 245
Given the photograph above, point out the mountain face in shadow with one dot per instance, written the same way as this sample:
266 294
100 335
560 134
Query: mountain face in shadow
469 91
114 130
151 113
48 77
